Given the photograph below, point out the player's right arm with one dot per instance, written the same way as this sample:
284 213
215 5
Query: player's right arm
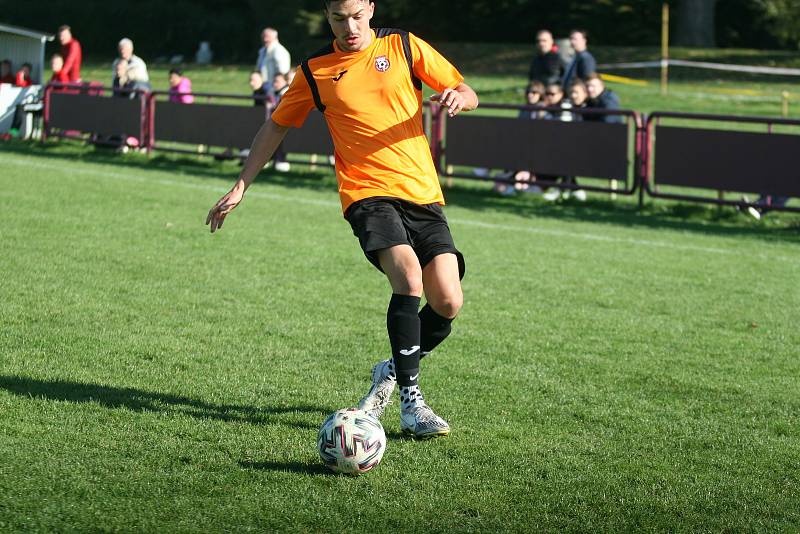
292 112
265 143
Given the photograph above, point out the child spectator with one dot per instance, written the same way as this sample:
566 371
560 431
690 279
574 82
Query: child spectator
57 64
533 97
23 78
260 94
180 87
6 75
601 98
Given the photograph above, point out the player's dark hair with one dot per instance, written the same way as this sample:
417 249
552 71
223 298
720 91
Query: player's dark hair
30 67
327 3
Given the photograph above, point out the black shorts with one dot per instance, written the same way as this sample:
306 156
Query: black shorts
384 222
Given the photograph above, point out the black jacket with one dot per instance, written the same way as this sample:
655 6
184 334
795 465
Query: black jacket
608 99
546 68
580 68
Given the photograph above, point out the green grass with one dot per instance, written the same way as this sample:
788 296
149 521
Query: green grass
611 370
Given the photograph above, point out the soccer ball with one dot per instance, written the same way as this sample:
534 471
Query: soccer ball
351 442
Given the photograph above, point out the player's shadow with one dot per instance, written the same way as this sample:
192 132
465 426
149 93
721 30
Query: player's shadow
315 468
147 401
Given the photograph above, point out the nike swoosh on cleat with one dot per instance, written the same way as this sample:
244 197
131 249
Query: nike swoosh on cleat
410 351
339 77
414 377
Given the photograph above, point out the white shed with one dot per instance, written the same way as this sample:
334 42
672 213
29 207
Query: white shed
21 45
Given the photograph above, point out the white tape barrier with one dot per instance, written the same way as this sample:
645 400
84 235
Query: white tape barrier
702 65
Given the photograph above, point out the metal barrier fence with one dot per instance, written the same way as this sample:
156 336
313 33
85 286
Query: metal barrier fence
639 153
703 158
584 146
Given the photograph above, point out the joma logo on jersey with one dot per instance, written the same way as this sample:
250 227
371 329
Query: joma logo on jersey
382 63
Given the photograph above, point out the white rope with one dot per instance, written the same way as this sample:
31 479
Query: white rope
702 65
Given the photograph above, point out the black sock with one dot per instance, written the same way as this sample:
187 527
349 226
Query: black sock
402 322
433 329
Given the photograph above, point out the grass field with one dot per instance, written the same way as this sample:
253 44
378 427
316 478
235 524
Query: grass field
612 369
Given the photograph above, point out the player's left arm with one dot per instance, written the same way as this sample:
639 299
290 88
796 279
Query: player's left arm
461 98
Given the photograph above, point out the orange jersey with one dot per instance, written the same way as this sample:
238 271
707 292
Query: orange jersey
374 112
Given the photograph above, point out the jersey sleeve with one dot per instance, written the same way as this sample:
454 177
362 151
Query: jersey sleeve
296 104
431 67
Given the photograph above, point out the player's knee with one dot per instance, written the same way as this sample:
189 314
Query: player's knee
409 282
449 304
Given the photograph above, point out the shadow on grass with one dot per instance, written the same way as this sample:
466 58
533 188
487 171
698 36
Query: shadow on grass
146 401
316 469
678 216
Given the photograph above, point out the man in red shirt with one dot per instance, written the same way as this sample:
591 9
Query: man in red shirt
71 52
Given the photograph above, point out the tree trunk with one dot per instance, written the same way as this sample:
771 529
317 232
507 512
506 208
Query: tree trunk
695 23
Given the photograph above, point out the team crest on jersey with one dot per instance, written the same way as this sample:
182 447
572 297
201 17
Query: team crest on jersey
382 63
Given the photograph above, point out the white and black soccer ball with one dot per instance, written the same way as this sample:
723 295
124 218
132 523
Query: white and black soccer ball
351 442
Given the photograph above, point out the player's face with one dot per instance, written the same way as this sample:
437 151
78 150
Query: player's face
349 20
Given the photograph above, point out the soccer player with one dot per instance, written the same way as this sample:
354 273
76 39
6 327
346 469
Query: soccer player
368 84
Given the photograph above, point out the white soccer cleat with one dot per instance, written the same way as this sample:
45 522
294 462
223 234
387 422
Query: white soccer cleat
552 194
421 422
379 395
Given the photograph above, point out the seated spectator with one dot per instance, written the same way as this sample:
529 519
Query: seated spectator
583 64
579 98
23 77
180 87
546 66
533 97
57 64
136 68
6 74
554 98
601 98
261 96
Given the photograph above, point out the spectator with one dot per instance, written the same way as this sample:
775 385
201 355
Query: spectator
579 98
261 96
554 98
57 64
180 87
279 88
533 97
273 58
136 68
6 72
123 87
72 54
601 98
546 66
583 64
765 204
23 78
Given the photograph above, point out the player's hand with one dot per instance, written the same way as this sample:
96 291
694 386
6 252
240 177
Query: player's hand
225 205
452 100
